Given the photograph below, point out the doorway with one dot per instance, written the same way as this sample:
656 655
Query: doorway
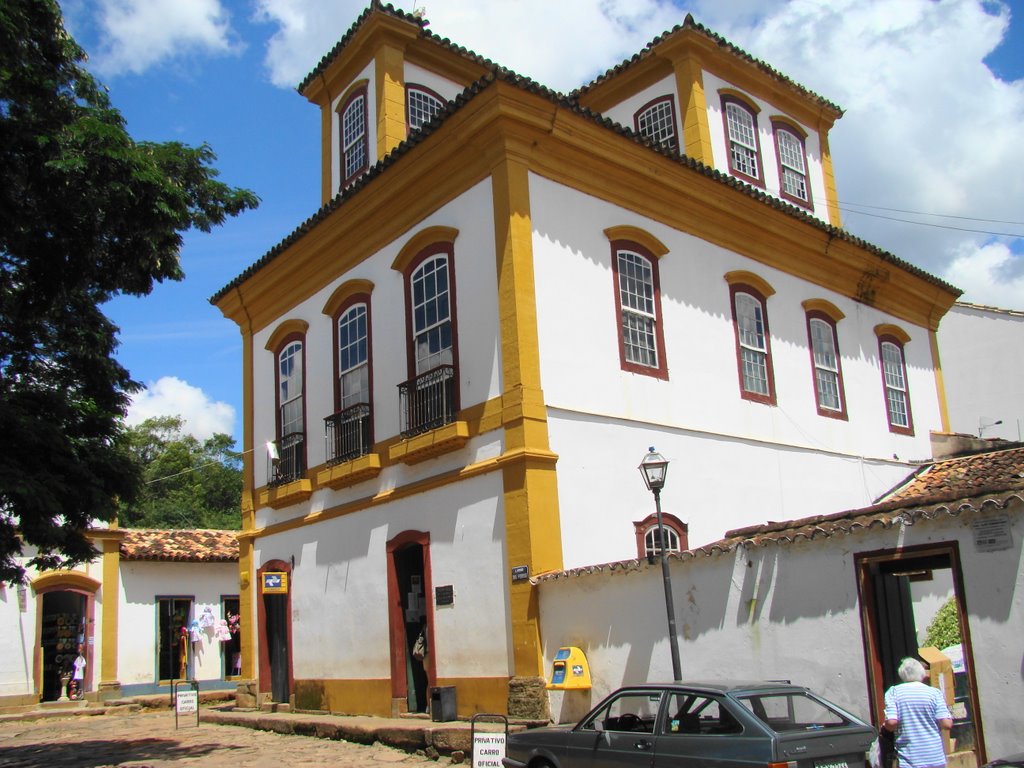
62 637
902 593
274 620
172 637
412 642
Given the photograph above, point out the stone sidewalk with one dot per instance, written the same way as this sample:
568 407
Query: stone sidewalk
127 734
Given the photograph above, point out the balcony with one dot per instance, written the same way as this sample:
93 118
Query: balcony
428 422
286 481
349 440
427 401
347 433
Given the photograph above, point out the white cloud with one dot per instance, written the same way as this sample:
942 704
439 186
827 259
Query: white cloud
170 396
928 127
990 271
139 34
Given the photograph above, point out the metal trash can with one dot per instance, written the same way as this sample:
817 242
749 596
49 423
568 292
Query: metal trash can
442 703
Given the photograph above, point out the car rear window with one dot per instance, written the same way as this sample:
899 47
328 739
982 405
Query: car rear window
794 711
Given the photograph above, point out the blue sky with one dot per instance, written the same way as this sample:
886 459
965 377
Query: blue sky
933 93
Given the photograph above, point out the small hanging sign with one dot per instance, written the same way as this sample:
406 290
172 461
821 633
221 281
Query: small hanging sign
275 583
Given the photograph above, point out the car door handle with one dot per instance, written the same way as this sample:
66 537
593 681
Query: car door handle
643 746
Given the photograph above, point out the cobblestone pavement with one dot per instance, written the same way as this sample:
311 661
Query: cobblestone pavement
149 740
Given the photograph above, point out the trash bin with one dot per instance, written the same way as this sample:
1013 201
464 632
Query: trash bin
442 703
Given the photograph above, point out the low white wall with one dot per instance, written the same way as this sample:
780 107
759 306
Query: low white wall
785 611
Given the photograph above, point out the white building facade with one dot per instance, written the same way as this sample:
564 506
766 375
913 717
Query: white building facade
458 362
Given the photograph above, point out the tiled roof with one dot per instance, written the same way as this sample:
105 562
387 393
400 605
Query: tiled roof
986 308
984 481
689 23
188 545
526 84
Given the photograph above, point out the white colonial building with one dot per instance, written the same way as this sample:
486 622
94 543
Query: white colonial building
458 362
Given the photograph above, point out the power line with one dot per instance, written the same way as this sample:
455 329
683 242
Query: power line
940 226
940 215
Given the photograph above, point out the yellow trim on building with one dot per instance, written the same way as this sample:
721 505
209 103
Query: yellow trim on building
390 85
533 531
344 292
694 108
246 607
637 235
373 696
421 240
888 329
745 277
741 97
828 172
65 579
284 329
824 306
940 384
111 596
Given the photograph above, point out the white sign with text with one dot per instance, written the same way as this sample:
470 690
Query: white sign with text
488 749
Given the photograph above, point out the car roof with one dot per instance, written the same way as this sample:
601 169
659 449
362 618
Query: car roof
724 686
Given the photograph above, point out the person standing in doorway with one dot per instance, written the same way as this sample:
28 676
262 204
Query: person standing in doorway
918 714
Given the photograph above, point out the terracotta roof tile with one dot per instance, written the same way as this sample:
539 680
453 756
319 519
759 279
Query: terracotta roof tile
982 482
189 545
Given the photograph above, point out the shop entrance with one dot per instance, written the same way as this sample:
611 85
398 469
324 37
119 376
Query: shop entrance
901 594
412 645
273 609
172 637
63 636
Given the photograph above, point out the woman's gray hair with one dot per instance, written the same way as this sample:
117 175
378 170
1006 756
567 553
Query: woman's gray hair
912 671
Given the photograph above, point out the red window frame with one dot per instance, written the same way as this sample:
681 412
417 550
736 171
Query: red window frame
779 126
757 397
898 429
759 156
357 93
641 527
830 321
661 370
673 142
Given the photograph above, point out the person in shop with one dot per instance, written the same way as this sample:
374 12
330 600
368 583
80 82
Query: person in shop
77 687
918 715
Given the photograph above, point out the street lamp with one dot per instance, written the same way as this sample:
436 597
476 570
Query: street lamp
654 467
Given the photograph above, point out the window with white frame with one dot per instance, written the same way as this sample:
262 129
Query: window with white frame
753 343
657 121
421 104
290 389
744 146
354 144
894 376
792 159
827 375
649 537
431 314
638 303
353 357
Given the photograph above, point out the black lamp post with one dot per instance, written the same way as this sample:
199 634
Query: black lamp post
654 467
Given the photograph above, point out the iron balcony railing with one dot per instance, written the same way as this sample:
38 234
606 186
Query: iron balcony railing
347 433
290 463
427 401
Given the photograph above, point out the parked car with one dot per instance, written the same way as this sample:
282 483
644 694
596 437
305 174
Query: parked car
693 725
1013 761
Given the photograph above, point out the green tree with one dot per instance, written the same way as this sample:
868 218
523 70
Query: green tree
944 629
86 213
186 483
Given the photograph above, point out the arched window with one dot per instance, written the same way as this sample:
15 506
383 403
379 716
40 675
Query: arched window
291 421
430 398
354 142
741 135
657 121
349 430
421 104
649 537
829 392
891 343
792 161
634 256
749 297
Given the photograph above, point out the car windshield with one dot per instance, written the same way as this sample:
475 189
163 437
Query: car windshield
793 711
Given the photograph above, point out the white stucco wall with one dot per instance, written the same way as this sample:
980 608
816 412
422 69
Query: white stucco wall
738 461
339 596
786 611
769 157
142 582
442 86
623 112
479 364
984 370
19 638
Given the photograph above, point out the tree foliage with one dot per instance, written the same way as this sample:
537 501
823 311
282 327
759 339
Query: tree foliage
944 629
186 483
86 213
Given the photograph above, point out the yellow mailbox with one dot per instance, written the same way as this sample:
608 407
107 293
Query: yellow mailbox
569 670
